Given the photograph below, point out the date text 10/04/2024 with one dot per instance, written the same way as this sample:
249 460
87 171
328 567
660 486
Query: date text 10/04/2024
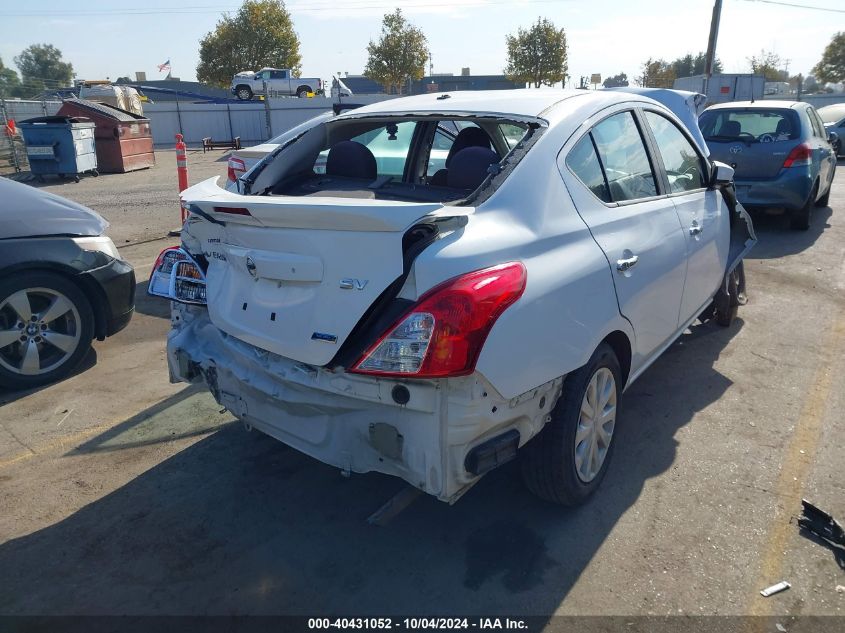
417 623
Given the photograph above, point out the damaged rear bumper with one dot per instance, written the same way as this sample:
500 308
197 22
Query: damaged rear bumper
445 428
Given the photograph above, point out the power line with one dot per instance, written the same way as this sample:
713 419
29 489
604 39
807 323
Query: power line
798 6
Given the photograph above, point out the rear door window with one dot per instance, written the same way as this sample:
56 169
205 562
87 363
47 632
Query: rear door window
682 162
622 152
583 161
818 124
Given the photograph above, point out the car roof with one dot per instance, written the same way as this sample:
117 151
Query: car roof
520 102
764 104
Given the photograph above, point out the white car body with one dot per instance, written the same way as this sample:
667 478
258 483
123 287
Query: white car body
291 281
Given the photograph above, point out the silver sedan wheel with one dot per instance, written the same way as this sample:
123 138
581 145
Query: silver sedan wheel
595 424
40 329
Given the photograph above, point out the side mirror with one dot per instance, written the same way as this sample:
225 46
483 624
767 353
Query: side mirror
721 174
833 138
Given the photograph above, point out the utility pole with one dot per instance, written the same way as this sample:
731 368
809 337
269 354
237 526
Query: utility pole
711 44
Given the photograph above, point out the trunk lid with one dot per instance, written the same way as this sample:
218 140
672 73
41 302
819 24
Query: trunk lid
296 275
752 161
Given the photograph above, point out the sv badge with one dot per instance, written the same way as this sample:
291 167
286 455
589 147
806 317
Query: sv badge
353 284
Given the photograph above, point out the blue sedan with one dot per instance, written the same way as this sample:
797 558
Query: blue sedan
780 151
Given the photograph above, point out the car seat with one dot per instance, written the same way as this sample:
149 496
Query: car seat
468 137
731 128
469 167
351 159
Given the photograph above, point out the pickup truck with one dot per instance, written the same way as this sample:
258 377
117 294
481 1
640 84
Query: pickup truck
280 83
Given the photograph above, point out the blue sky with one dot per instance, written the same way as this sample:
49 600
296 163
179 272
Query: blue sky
605 36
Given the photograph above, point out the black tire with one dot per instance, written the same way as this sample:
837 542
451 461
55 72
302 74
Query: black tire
243 93
800 218
548 461
76 178
65 360
95 173
302 93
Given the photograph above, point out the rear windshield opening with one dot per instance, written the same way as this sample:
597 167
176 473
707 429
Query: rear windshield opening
413 159
757 125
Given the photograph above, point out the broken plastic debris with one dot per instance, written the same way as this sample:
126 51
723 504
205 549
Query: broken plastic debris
840 588
770 591
821 524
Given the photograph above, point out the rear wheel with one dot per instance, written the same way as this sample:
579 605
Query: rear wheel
46 327
567 460
800 218
302 93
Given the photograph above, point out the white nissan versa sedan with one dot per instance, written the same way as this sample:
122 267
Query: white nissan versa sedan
431 323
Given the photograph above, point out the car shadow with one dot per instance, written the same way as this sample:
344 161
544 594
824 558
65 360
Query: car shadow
148 304
7 396
776 239
240 524
52 180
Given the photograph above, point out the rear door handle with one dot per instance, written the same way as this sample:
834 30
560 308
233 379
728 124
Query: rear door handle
695 228
626 264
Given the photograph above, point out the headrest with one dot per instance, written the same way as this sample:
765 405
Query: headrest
351 159
470 167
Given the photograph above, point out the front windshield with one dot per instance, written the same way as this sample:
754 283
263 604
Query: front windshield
751 125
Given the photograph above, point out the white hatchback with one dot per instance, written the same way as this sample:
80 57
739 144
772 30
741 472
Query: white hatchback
382 311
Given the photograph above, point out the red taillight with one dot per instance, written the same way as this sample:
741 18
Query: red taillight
232 210
442 335
799 156
236 169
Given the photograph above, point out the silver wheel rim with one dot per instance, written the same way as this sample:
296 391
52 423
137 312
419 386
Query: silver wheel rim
40 329
596 423
243 94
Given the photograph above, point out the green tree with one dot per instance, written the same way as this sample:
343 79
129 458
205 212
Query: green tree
537 55
260 34
42 68
831 68
10 83
657 73
690 65
399 55
617 81
768 64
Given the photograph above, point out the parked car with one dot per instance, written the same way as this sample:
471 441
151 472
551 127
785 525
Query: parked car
62 283
780 151
280 82
429 323
833 117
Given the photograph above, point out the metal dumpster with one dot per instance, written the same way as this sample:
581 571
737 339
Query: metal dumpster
124 139
60 145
